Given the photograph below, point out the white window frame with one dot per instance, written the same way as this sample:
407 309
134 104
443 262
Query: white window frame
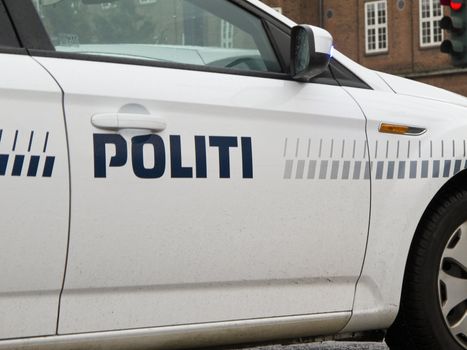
377 27
278 9
147 2
108 5
431 19
227 34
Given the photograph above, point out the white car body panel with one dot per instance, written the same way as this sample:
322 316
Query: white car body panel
290 251
377 300
413 88
414 184
35 207
132 263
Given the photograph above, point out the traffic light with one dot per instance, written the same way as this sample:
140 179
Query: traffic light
456 24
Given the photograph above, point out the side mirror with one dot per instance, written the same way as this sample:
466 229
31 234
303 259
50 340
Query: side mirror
311 52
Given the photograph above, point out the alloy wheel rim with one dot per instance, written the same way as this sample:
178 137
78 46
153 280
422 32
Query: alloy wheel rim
452 284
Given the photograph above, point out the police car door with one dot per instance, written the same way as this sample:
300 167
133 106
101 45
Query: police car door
34 191
206 185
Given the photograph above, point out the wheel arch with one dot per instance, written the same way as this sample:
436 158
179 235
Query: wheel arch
413 326
457 181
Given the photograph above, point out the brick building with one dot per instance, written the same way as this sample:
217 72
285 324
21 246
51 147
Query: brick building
396 36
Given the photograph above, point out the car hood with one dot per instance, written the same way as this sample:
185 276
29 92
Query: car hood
403 86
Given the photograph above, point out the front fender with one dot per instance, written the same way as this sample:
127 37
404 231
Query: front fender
406 174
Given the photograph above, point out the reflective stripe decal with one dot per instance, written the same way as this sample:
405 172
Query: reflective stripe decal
33 166
288 169
48 167
312 169
379 170
18 165
425 165
413 169
385 170
413 160
3 163
300 169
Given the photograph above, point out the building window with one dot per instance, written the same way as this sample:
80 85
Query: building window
431 13
227 35
376 26
108 5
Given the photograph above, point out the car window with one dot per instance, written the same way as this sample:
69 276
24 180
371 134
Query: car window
214 33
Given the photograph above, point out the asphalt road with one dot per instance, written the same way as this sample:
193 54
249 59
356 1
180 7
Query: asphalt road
327 346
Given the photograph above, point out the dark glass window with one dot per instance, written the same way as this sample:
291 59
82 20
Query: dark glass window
213 33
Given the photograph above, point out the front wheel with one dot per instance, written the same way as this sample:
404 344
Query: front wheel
433 314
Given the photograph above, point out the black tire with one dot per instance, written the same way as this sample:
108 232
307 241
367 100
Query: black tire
420 324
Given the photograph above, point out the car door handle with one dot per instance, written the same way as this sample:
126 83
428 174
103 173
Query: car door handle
118 121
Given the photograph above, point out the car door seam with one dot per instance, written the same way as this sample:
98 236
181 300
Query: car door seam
371 196
69 192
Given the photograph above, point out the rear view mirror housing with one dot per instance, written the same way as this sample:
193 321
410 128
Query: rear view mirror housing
311 52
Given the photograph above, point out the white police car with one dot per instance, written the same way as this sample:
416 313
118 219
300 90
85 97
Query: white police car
174 175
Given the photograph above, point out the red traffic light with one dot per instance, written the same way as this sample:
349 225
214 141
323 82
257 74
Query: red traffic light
456 5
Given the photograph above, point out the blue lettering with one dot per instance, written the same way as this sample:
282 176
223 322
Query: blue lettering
247 158
100 162
157 143
224 143
178 171
138 143
201 163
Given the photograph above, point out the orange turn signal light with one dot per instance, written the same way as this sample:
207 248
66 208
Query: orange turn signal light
401 129
393 129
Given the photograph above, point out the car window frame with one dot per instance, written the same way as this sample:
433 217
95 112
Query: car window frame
9 41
